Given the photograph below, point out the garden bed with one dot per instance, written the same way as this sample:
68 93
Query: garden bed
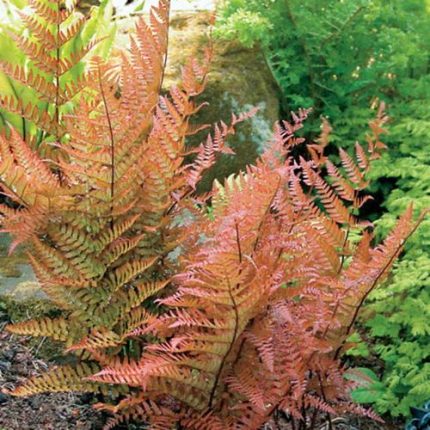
60 411
20 359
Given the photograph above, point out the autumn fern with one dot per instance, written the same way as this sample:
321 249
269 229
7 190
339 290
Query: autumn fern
100 220
267 297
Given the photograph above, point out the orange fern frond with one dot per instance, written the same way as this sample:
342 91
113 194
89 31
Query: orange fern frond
60 379
57 328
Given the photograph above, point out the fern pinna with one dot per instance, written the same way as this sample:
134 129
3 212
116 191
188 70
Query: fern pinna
267 287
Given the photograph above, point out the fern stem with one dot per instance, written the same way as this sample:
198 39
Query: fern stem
57 92
260 226
342 261
230 348
313 419
304 417
375 282
112 139
345 24
293 423
163 72
239 248
57 71
57 82
330 424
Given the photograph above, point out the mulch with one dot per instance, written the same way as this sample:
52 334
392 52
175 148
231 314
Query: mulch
56 411
20 359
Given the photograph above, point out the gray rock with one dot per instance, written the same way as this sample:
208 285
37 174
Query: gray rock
239 79
20 293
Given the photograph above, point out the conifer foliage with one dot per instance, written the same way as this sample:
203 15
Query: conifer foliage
253 319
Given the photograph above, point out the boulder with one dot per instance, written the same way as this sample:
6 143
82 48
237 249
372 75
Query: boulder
20 293
239 79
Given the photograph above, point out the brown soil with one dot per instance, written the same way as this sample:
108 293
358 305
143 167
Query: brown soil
55 411
19 360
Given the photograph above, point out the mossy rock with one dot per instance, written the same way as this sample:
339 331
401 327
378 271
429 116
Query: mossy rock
239 79
27 300
20 293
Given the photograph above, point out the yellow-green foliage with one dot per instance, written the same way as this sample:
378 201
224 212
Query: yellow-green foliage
42 46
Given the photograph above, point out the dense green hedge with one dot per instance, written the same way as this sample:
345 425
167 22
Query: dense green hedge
340 57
